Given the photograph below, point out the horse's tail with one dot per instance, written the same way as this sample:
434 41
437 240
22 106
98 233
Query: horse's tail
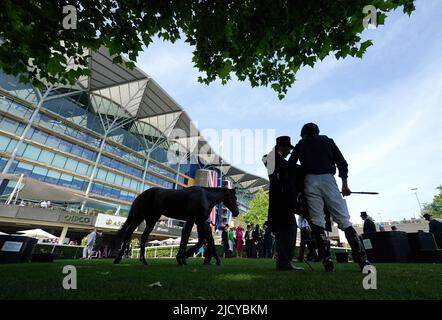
130 217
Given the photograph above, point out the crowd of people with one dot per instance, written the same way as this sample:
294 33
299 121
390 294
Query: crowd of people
257 242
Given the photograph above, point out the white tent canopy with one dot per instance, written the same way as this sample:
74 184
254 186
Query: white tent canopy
168 241
38 234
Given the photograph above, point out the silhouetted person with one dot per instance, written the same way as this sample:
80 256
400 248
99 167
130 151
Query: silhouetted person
435 229
281 219
249 241
369 225
256 235
225 240
306 240
319 156
268 242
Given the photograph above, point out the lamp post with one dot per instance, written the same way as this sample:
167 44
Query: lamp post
221 162
418 202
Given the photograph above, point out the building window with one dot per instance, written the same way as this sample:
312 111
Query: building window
101 174
82 168
71 165
4 142
46 157
52 177
59 161
31 152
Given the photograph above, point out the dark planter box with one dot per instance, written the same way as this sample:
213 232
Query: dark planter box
341 257
15 249
43 257
387 246
421 245
430 256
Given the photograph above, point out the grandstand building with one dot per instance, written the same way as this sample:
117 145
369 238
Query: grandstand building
92 147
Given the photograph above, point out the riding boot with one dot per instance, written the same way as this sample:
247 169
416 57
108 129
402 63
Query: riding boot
357 249
323 247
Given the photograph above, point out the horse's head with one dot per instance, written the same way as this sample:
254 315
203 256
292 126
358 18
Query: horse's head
230 202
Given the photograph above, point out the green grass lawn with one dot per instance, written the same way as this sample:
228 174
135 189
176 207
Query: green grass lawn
236 279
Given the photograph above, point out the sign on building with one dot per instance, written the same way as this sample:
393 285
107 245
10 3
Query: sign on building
109 222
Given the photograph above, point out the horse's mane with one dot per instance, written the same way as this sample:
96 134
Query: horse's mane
215 189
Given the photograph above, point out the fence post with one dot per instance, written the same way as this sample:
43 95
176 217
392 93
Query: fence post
171 251
156 250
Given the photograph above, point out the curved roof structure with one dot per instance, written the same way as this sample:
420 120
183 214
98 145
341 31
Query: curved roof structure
146 102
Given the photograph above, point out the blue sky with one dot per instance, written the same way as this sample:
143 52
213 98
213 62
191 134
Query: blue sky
384 111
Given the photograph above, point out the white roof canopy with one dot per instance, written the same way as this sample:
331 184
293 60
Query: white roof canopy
143 99
37 190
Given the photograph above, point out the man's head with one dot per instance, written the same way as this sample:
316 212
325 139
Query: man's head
393 228
427 216
309 130
364 215
283 145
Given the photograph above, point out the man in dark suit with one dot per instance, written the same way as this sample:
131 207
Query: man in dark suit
280 218
435 229
369 225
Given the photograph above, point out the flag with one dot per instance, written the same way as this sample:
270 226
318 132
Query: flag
212 182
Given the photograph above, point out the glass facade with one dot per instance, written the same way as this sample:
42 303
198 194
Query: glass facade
90 142
63 144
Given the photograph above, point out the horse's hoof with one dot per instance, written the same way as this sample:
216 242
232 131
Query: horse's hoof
117 260
144 262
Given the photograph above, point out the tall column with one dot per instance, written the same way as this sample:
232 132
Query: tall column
63 234
97 161
143 185
92 177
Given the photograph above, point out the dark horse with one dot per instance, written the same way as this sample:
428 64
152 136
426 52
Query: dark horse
189 204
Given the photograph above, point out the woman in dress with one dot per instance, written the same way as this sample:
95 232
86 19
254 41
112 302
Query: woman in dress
239 241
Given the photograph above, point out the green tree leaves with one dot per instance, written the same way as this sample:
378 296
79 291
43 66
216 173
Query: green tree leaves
264 41
434 208
258 209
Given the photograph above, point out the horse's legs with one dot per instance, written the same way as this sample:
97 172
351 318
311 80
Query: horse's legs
210 244
150 224
126 240
185 234
201 239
